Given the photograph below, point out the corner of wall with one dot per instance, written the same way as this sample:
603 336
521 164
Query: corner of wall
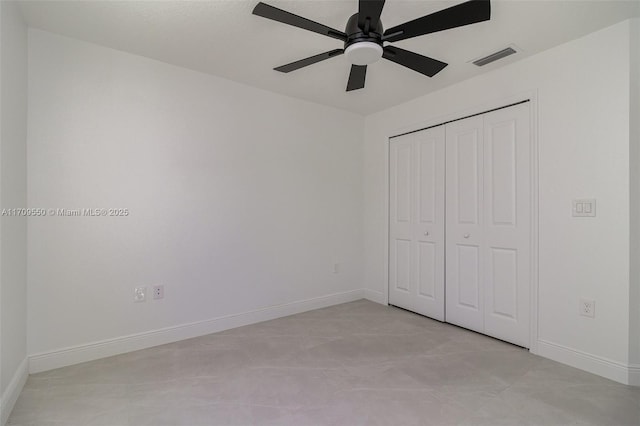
10 395
374 296
13 127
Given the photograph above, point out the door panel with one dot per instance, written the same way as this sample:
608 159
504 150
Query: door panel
488 223
467 177
501 176
417 219
400 228
427 269
403 265
468 274
403 183
503 278
464 239
507 231
427 182
429 230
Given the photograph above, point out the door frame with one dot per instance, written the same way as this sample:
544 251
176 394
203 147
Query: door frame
532 97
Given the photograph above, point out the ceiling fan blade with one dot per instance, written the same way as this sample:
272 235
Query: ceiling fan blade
285 17
309 61
456 16
371 9
356 77
414 61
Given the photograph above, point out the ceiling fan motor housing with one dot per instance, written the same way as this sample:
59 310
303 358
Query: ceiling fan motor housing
363 45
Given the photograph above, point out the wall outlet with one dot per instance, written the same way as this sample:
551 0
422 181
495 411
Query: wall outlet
158 292
140 294
587 308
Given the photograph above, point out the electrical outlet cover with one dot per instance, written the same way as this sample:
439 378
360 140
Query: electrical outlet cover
158 291
587 308
140 294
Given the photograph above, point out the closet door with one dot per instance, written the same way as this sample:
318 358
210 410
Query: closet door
488 184
464 227
416 229
507 189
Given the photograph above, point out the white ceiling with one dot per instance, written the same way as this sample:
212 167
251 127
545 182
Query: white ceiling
223 38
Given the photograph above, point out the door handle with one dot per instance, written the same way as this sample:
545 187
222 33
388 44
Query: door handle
466 235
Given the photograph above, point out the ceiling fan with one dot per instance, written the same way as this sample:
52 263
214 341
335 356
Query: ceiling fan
364 36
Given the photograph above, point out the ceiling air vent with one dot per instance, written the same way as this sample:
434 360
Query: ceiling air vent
494 56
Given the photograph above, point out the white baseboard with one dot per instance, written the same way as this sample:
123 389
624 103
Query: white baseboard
105 348
604 367
10 395
374 296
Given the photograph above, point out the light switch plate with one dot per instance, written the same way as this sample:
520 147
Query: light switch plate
584 207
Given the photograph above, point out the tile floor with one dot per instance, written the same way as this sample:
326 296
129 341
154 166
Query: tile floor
358 363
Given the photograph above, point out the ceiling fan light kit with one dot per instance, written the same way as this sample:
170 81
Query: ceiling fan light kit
364 36
363 53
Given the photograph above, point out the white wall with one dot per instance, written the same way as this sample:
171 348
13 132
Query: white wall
634 158
13 134
583 132
239 199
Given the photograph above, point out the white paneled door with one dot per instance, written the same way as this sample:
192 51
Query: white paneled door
488 181
465 237
416 231
507 210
